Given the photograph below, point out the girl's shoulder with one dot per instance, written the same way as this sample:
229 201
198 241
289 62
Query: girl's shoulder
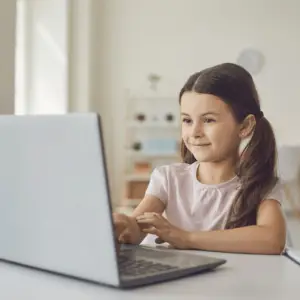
277 192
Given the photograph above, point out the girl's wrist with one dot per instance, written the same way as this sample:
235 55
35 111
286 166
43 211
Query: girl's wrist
189 239
182 239
136 230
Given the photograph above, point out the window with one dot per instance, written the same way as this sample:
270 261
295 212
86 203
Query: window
41 57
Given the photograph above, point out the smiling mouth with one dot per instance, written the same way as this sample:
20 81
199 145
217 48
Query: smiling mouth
202 145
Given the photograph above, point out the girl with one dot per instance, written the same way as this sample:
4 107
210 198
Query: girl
225 196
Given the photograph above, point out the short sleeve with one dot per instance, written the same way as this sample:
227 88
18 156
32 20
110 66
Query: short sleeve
277 193
157 186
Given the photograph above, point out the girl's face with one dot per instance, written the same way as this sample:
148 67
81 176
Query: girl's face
209 129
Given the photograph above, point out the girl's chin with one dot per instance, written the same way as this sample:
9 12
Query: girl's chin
202 157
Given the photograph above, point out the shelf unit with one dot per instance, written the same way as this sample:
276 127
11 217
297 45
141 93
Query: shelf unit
152 136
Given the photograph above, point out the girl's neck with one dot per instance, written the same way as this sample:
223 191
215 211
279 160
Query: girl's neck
216 172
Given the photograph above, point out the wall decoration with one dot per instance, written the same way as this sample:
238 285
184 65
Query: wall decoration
252 60
154 80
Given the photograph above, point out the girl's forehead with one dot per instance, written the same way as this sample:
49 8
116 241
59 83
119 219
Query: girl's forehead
195 103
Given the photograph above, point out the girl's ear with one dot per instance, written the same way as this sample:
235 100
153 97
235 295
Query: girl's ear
247 126
246 132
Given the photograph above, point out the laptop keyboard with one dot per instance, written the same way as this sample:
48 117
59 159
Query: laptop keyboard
140 267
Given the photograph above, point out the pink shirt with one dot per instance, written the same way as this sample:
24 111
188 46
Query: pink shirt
191 205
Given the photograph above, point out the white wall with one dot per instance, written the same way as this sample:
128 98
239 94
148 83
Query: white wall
178 37
7 55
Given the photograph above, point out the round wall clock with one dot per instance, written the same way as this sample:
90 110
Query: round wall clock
252 60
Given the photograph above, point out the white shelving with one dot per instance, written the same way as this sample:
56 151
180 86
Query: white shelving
132 202
136 154
152 131
137 177
152 125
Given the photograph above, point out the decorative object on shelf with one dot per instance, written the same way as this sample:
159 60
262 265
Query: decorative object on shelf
154 80
252 60
140 117
169 117
142 167
137 146
136 189
158 146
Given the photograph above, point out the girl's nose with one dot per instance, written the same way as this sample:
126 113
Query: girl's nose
197 130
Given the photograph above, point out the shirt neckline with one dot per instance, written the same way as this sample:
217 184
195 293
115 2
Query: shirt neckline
227 183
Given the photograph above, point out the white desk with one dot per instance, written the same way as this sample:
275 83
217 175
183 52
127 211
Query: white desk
242 277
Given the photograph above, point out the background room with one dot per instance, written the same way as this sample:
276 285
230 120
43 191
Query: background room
128 59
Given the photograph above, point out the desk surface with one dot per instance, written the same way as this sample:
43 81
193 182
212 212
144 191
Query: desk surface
242 277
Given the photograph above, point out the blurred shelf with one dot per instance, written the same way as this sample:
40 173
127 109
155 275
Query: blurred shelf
129 202
137 177
138 154
152 125
152 138
124 210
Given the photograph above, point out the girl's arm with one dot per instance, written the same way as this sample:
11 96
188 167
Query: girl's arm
267 237
148 204
127 229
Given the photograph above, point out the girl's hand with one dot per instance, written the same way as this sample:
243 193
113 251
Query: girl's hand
158 225
126 229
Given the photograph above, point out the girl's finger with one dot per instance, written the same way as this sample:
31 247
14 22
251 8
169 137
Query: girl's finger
146 220
150 214
121 238
152 222
151 230
144 217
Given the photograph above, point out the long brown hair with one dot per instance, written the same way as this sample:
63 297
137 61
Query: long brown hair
257 170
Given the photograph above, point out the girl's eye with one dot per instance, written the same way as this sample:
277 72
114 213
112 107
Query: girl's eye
187 121
209 120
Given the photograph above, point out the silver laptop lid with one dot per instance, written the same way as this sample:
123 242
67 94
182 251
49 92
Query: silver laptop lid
54 202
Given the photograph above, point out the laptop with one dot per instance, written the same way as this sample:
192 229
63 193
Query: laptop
55 206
